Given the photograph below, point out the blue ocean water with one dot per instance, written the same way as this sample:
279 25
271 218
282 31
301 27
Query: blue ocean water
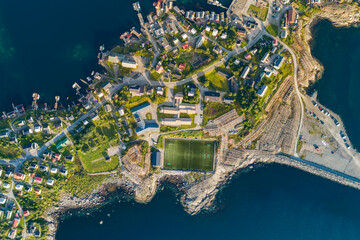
338 49
273 202
45 46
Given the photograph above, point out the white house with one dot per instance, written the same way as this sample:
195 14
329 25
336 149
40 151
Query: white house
215 32
245 72
19 187
2 200
261 92
50 182
129 64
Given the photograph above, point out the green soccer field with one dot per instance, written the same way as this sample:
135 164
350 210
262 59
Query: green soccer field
189 155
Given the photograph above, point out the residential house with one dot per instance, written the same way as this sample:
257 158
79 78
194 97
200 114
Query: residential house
137 90
38 180
159 69
19 176
245 72
159 91
19 187
129 63
184 36
63 171
3 200
212 97
121 111
182 67
12 233
69 158
265 58
50 182
107 87
279 62
185 46
261 92
215 32
247 56
107 108
38 191
26 213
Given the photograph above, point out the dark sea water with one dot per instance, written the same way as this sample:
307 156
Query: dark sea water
274 203
338 49
45 46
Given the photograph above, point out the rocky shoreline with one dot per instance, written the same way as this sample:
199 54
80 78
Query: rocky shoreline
201 195
340 15
195 197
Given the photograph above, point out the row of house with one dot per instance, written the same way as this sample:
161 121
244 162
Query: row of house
205 16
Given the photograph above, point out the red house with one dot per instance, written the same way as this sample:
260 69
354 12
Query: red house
15 222
182 66
26 213
38 180
19 176
185 46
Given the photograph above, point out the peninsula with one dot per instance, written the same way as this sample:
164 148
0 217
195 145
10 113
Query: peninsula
190 98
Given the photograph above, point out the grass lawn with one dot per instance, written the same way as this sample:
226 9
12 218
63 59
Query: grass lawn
213 110
272 29
217 82
40 138
184 154
9 151
104 166
148 116
257 12
154 75
92 144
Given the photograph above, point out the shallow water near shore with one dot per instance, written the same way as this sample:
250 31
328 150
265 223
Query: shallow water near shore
273 202
338 49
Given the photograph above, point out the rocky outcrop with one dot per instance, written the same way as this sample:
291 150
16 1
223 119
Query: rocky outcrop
340 15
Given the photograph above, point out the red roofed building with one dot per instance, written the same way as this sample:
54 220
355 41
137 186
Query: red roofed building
38 191
275 43
57 156
19 176
247 56
38 180
185 46
182 66
26 213
291 16
15 222
159 69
